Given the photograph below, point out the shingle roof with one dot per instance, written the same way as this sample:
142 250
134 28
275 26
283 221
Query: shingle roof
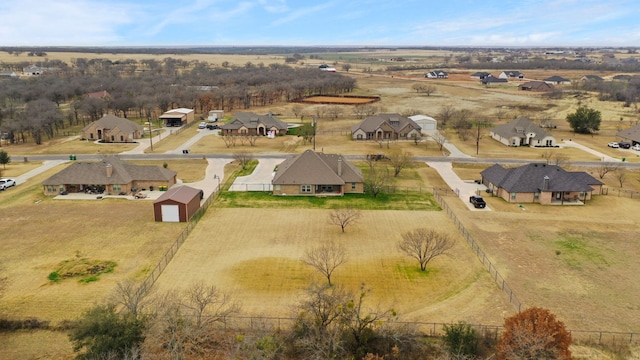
182 194
95 173
520 127
632 133
251 121
111 122
530 178
316 168
396 121
556 78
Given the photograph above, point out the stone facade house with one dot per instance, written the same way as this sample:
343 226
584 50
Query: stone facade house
522 132
317 174
386 127
538 86
111 176
247 123
112 129
540 183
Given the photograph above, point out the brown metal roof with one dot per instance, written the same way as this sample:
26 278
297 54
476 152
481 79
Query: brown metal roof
182 194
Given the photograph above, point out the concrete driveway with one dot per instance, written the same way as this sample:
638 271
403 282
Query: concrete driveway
463 188
260 179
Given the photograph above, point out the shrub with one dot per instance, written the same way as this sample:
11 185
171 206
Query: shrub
54 277
460 339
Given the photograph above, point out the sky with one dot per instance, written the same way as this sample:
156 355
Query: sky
547 23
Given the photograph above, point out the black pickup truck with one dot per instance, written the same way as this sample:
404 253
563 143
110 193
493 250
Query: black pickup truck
477 201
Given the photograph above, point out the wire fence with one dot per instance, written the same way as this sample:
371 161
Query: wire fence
495 275
621 193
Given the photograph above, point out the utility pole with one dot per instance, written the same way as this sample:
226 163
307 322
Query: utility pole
313 124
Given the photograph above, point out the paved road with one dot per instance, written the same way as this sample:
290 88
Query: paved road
260 179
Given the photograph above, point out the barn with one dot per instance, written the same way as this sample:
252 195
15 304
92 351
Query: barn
178 204
426 122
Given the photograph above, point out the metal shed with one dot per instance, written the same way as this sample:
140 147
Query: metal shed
178 204
425 122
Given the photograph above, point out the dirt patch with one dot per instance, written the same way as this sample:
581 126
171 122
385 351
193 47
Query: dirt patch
339 100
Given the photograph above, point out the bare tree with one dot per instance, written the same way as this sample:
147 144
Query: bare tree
243 158
130 294
207 304
439 139
376 179
621 174
326 258
446 113
334 111
344 217
605 168
229 140
425 244
361 111
399 160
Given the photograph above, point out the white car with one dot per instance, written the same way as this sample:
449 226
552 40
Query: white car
7 183
636 147
614 145
202 125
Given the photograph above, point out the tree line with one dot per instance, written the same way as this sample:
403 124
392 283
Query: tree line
41 106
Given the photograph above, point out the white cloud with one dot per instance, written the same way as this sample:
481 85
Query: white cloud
301 12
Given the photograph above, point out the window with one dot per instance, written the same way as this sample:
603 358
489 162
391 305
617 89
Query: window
116 187
51 188
513 196
113 138
359 136
305 188
278 187
121 138
353 186
536 195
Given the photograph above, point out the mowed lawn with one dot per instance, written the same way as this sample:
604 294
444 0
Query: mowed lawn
255 255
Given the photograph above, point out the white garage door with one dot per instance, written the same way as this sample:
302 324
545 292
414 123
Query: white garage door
170 213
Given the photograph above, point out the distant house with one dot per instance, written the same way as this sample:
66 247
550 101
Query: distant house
557 80
480 75
32 70
522 132
437 74
386 127
178 117
111 128
632 134
247 123
492 80
110 175
622 77
540 183
178 204
425 122
537 86
591 78
317 174
513 74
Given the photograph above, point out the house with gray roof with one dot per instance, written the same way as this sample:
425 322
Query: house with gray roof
248 123
386 127
317 174
631 134
540 183
522 132
113 129
109 175
511 74
479 75
557 80
437 74
492 80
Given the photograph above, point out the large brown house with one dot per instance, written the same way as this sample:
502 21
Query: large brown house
540 183
111 128
111 176
317 174
386 127
247 123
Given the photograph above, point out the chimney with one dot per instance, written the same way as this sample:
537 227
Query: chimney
545 183
109 170
340 166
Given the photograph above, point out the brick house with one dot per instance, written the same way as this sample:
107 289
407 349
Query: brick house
112 129
317 174
247 123
111 176
386 127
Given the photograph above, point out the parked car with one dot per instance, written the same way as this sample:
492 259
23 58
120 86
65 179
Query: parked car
6 183
613 145
202 125
636 147
624 145
213 126
477 201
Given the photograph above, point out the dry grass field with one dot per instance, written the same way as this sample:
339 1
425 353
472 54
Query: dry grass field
260 264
